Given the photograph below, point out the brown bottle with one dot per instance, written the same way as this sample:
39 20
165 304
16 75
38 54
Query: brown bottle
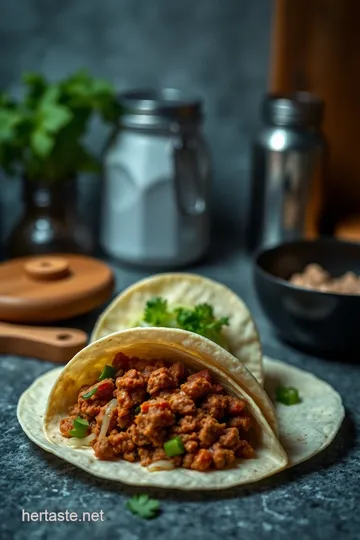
50 223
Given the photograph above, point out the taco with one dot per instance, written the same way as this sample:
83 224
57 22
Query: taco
146 406
189 302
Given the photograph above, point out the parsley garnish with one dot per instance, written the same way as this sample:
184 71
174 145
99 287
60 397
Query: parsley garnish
156 312
143 506
200 320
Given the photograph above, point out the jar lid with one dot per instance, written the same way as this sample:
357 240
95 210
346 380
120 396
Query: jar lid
157 108
297 109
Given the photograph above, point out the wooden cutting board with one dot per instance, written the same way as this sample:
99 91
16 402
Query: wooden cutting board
50 288
46 289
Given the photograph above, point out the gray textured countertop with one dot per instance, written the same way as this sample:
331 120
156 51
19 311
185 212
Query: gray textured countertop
318 499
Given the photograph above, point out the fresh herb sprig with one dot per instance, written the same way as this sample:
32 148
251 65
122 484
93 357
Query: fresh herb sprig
200 320
157 313
41 136
143 506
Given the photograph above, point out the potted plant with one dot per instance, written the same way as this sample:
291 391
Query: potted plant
41 140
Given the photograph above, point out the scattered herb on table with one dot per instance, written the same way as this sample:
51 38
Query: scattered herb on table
287 395
143 506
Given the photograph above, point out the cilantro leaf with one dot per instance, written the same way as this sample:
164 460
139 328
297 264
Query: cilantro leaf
143 506
187 319
156 312
201 320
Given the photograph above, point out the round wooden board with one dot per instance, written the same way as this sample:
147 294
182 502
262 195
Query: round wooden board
51 288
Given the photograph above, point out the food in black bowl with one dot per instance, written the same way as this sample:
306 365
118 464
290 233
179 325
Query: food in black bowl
317 278
308 313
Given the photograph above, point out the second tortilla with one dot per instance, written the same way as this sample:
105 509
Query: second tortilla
188 290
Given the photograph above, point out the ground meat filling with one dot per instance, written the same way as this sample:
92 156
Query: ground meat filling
150 402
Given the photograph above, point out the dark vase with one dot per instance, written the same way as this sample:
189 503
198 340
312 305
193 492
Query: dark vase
50 223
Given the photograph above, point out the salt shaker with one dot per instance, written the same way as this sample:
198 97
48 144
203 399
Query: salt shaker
288 157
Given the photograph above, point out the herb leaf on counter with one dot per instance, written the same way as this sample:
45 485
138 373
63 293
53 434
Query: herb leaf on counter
143 506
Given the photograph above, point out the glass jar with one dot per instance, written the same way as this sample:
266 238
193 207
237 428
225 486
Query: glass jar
50 223
157 179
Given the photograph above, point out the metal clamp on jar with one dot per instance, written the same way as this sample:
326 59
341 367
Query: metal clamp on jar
156 200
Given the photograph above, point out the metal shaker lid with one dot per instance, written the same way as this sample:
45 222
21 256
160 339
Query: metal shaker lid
151 108
297 109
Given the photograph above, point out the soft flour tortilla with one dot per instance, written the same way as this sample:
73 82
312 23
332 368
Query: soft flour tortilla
185 344
305 429
188 290
173 345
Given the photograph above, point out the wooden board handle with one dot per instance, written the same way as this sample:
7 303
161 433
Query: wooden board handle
53 344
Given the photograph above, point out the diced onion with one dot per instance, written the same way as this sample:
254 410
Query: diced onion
85 441
106 418
161 465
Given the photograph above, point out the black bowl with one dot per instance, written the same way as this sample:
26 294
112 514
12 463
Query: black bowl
310 319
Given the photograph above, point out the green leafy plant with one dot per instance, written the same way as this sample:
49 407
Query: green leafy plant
41 136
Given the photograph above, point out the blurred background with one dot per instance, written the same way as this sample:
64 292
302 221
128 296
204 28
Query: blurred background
227 54
216 50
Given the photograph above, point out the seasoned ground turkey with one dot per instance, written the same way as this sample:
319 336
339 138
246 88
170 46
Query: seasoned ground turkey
160 379
91 407
196 387
150 402
215 405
